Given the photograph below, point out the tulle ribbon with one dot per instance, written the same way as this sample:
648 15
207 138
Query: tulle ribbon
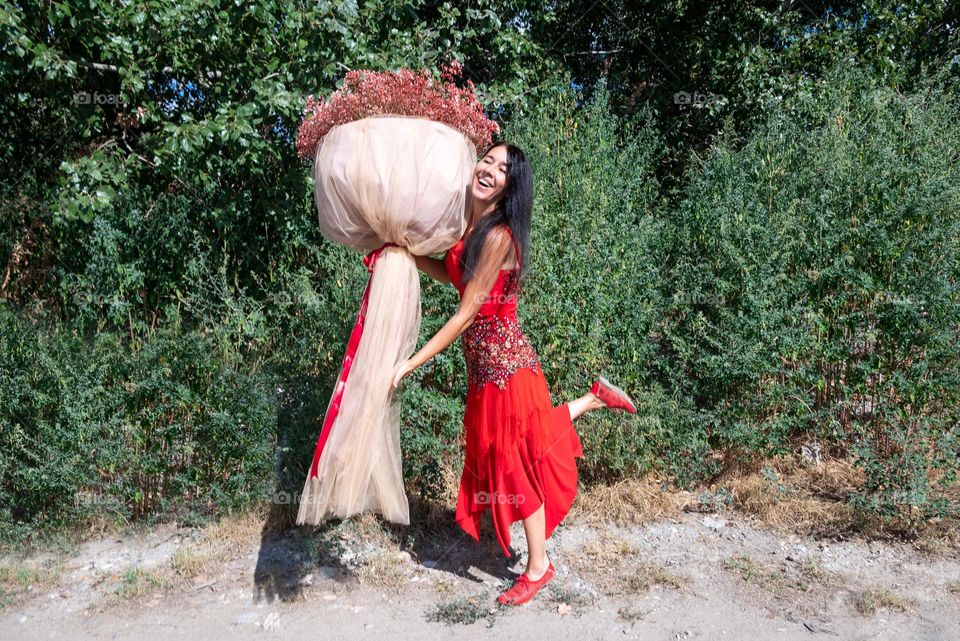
370 260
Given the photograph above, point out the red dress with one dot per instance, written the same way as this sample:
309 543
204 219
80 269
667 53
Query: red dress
520 451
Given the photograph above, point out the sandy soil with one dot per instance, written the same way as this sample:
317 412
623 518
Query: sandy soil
698 576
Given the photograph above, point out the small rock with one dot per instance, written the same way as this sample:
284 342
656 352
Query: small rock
713 523
327 571
272 622
430 564
564 608
307 580
811 453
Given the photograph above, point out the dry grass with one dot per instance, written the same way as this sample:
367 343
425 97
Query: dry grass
138 583
368 549
607 551
648 575
866 602
21 579
215 546
954 588
609 562
776 581
386 569
811 569
218 544
796 498
630 502
781 493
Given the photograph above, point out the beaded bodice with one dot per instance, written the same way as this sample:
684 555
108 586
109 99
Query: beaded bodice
494 345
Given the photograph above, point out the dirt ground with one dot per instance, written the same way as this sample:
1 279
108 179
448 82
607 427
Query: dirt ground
689 575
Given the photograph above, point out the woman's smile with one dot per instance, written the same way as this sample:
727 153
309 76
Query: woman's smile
490 175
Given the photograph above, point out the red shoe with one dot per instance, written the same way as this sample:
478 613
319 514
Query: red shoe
524 588
612 396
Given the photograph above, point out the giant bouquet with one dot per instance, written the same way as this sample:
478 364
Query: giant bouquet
392 154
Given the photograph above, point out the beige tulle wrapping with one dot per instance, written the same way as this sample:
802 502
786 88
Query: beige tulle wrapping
377 180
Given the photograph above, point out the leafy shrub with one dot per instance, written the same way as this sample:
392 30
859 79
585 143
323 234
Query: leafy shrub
96 430
816 274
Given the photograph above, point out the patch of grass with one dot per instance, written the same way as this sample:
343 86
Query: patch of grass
649 574
608 561
188 562
19 579
607 550
811 569
930 546
464 610
444 585
867 602
630 502
632 613
575 598
217 544
386 569
776 581
138 583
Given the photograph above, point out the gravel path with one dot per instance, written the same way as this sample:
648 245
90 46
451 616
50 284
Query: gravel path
701 576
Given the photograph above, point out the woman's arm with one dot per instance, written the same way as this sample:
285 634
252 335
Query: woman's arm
432 267
496 249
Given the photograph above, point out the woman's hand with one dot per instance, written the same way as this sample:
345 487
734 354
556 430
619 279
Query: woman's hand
402 370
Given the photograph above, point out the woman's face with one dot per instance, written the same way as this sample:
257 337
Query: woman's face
490 177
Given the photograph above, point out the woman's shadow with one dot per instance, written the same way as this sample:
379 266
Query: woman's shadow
291 556
440 544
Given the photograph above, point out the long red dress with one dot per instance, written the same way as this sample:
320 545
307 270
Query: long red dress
520 451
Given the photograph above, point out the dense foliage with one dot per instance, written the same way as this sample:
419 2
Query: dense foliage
776 266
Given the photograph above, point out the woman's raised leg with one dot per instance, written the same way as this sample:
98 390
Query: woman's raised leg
534 526
585 403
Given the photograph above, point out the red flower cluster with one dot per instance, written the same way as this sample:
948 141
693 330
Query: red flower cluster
403 92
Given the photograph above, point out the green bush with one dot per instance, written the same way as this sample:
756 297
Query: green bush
803 285
97 430
815 277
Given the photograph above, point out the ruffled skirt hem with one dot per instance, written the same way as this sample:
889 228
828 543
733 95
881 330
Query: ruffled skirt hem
520 454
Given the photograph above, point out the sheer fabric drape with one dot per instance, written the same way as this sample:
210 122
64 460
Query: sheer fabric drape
385 179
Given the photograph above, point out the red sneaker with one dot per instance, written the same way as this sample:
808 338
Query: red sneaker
525 587
612 396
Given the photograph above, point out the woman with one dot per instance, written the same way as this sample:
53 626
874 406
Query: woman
519 450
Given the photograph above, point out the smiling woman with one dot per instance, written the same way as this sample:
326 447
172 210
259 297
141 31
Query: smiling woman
520 450
490 176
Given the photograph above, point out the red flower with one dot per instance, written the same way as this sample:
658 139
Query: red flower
402 92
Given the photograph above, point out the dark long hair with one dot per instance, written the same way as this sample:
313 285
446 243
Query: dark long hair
513 209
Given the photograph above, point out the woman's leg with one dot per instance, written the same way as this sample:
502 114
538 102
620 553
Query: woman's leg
534 526
583 404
